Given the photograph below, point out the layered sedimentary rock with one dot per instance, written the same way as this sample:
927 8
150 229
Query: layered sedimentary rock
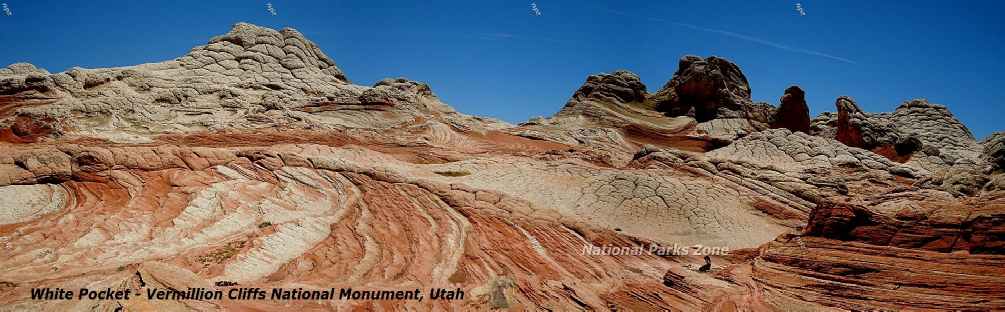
852 276
898 248
254 162
611 114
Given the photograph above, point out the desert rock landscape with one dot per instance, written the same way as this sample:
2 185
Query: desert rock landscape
253 161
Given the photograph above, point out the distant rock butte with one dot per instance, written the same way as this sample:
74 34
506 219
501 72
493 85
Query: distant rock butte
254 160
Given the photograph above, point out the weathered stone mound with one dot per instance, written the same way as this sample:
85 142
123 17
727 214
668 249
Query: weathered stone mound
24 78
966 178
233 81
704 89
712 95
792 113
620 87
247 57
392 92
614 99
265 55
251 77
935 126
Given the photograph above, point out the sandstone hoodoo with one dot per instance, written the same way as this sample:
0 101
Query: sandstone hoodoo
793 114
252 165
849 132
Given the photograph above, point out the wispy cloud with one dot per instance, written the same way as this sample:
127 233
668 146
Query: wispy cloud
509 36
746 38
767 43
497 36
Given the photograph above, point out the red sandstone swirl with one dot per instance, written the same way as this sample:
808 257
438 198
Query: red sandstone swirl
212 215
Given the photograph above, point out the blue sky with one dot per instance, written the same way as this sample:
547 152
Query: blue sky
493 58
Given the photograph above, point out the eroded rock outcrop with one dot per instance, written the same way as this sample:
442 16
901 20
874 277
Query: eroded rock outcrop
856 128
848 131
704 89
792 113
704 106
914 133
934 125
902 249
716 94
611 115
922 220
994 152
24 78
619 87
